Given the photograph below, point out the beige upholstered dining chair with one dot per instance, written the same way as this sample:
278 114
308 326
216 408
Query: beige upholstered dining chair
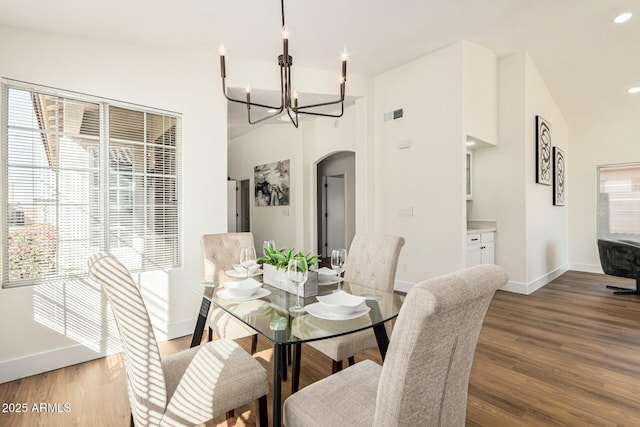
372 263
219 252
187 388
425 376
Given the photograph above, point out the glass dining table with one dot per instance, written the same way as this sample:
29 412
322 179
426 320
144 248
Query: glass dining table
268 314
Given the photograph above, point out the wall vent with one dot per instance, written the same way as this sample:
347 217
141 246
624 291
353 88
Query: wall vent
393 115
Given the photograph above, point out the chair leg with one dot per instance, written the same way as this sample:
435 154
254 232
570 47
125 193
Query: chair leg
231 418
289 357
131 423
352 361
262 412
623 291
337 367
254 343
210 335
295 369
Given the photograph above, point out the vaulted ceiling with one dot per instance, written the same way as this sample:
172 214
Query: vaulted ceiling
586 60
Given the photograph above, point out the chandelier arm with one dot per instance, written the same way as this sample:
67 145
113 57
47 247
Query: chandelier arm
322 104
268 116
295 122
323 114
252 104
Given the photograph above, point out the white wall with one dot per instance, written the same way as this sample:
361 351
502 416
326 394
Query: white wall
427 177
532 237
547 225
323 137
267 144
314 140
596 141
480 92
34 338
498 172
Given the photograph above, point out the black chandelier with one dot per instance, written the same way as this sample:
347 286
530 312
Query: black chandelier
288 100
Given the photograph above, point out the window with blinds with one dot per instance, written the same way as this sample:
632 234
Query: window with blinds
619 202
83 174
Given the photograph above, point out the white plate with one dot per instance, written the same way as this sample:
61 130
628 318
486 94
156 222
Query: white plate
333 282
317 310
233 273
260 293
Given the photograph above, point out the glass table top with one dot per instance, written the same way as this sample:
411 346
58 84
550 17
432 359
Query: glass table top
269 313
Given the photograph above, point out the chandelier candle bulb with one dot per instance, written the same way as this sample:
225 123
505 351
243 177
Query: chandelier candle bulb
344 56
285 44
223 71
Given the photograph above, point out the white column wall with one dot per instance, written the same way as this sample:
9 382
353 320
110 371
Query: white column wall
35 341
428 177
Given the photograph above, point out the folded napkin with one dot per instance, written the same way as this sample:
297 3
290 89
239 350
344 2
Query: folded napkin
326 271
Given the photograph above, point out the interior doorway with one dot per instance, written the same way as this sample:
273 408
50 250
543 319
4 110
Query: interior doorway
336 202
239 217
334 213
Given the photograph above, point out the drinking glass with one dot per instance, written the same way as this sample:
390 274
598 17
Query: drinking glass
247 258
297 272
338 263
268 244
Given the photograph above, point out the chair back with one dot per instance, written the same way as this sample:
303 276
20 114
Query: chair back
618 258
222 250
425 376
145 377
372 261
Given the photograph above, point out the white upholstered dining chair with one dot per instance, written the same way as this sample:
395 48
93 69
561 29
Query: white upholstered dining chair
187 388
219 252
372 263
425 377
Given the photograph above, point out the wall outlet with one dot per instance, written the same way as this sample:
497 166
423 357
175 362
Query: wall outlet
405 143
408 211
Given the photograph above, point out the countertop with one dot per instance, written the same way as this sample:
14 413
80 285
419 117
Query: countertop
481 227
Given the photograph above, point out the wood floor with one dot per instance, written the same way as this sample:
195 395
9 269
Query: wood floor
568 355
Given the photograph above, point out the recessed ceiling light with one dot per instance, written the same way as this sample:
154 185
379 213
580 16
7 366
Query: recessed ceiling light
471 143
271 110
623 17
635 89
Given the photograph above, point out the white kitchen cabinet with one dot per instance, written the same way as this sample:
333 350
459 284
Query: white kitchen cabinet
480 248
469 175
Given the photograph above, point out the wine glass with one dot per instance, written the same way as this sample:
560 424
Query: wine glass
268 244
338 263
297 273
247 258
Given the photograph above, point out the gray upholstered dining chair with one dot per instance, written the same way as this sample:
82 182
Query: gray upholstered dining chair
187 388
219 252
621 258
372 263
425 377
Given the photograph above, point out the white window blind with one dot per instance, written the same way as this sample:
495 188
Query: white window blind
619 202
82 175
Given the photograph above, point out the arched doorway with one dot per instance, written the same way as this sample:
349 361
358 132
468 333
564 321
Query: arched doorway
336 202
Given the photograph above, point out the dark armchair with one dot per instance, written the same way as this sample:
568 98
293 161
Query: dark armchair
621 258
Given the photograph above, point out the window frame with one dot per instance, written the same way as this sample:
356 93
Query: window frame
105 145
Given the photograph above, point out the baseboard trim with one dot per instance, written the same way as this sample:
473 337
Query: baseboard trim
62 357
534 285
402 286
587 268
45 361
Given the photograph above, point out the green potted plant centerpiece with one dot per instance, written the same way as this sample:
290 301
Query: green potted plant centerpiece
275 262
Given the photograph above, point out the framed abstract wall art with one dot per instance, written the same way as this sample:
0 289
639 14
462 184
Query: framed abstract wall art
272 183
543 151
558 176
